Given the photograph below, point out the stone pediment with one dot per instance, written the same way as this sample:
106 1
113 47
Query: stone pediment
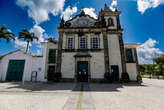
81 20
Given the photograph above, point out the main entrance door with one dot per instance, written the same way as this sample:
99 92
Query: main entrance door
82 71
115 72
15 70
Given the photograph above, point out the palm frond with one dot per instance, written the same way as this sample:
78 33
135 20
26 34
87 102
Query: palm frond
6 34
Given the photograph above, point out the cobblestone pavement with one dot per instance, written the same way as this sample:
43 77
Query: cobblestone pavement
82 96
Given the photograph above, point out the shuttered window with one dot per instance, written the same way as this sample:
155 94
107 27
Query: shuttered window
129 55
52 56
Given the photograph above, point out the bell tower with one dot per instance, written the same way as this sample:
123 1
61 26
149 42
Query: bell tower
111 17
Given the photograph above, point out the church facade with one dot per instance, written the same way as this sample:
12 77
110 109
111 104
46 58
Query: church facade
89 48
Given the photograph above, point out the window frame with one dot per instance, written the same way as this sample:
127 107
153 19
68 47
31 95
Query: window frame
68 43
95 42
84 44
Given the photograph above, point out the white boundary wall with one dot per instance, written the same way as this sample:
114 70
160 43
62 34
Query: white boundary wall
31 64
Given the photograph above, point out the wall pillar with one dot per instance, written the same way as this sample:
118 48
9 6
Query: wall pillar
106 53
136 60
123 62
59 56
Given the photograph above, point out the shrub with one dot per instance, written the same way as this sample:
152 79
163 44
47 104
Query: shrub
139 79
58 76
125 77
108 77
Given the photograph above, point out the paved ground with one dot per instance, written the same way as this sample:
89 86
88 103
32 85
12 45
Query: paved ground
72 96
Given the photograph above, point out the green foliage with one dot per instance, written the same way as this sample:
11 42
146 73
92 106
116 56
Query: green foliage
27 36
159 64
142 69
6 34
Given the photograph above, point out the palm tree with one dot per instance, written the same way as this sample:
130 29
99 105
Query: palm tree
6 34
27 36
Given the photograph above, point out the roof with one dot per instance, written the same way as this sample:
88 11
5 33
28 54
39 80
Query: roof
132 45
20 51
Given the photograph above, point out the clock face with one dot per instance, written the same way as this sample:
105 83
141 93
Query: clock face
83 22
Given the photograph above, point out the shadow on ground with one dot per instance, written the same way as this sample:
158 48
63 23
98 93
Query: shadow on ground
75 87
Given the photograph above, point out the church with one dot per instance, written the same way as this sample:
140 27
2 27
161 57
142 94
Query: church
89 48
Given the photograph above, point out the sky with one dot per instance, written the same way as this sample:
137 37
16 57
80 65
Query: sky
142 21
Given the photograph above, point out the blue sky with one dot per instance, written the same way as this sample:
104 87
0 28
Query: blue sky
141 20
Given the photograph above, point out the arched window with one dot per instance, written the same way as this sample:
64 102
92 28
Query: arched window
110 22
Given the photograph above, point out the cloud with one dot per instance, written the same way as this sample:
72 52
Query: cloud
39 10
68 12
147 51
143 5
20 44
90 11
39 32
113 5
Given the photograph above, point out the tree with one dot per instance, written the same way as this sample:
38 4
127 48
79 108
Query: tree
6 34
149 69
160 64
28 37
142 69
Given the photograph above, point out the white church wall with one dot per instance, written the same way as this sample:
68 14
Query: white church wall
45 59
114 51
68 65
132 71
48 46
97 66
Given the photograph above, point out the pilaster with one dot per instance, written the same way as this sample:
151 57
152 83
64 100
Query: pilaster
106 53
123 62
59 56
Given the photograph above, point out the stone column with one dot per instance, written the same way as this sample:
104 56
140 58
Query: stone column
106 52
89 41
136 60
122 52
59 56
76 41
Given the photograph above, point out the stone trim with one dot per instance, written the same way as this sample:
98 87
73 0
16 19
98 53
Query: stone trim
106 53
89 30
137 65
59 56
82 50
122 52
118 22
81 55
